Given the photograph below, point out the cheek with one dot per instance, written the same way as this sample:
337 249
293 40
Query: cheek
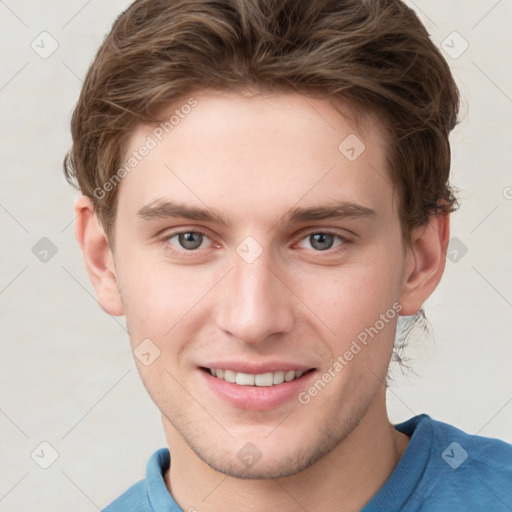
352 297
159 298
145 295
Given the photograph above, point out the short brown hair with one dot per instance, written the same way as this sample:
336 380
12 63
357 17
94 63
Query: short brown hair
375 54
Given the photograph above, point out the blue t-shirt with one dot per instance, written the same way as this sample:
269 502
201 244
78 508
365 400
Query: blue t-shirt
442 469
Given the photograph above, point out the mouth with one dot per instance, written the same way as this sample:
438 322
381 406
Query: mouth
267 379
261 387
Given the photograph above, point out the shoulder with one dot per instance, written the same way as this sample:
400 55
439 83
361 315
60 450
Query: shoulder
457 447
472 471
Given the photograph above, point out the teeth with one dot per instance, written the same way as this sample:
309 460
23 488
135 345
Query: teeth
263 379
278 378
288 376
244 379
230 375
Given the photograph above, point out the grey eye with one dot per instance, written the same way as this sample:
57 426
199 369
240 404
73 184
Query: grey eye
321 241
190 240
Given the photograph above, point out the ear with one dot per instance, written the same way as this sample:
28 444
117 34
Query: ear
98 257
425 262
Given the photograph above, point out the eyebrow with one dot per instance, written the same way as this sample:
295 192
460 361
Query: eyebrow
161 208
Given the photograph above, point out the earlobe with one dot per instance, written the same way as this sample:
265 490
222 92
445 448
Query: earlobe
97 256
425 262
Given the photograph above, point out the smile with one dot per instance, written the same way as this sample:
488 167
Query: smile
262 379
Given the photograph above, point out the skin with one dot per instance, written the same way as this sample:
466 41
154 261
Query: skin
252 158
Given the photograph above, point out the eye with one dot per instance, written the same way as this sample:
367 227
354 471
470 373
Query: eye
189 240
323 241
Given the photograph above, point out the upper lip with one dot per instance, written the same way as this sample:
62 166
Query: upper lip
255 368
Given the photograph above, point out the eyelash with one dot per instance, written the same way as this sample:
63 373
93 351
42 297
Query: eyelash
191 253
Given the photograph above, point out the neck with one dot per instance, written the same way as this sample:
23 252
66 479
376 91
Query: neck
344 480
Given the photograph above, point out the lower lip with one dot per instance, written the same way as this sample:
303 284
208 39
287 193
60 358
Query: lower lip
256 398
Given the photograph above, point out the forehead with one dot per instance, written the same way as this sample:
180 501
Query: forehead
258 153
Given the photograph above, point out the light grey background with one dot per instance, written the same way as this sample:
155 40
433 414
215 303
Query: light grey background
66 372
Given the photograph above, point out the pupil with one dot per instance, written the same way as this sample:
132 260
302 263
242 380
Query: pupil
321 241
190 240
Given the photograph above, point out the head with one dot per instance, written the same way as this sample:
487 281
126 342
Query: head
264 182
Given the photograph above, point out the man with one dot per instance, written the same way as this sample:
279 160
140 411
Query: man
265 190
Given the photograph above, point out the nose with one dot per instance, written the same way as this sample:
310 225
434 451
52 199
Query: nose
254 303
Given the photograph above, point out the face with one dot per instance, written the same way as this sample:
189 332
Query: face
250 241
